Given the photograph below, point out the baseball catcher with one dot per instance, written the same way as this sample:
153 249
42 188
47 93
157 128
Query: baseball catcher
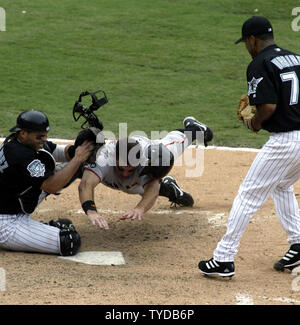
28 173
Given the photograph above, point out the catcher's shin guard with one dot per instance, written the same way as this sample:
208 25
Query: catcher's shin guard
70 242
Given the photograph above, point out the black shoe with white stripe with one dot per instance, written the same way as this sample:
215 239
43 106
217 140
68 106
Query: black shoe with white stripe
290 260
175 194
190 122
212 267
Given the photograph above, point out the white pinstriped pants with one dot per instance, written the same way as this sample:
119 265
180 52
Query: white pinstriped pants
273 172
19 232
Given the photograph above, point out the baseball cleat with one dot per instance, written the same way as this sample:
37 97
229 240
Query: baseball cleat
190 121
212 267
177 195
290 260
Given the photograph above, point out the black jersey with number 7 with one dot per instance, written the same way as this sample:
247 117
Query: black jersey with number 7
273 78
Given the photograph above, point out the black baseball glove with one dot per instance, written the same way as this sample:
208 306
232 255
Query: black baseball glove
91 134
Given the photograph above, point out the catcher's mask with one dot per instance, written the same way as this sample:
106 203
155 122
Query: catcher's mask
160 161
31 120
88 112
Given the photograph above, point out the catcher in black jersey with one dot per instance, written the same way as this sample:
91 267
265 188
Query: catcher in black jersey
272 104
28 173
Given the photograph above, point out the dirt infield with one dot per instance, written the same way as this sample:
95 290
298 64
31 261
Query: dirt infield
161 251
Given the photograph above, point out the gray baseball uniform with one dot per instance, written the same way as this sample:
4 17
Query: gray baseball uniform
104 167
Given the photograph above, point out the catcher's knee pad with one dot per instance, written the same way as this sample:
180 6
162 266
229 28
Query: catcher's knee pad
70 241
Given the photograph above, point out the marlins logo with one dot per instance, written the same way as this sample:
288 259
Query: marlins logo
252 85
36 168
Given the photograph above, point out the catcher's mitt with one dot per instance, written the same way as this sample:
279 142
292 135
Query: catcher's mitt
91 134
246 112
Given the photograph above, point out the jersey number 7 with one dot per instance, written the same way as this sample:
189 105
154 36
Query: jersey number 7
291 76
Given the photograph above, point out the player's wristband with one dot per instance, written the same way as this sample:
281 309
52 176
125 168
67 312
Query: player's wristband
88 205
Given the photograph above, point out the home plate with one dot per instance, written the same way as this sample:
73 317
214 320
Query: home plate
97 258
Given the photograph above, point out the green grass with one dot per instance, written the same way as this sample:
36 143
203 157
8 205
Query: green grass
157 60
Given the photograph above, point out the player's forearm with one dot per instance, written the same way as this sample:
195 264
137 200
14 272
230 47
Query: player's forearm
263 113
150 196
86 192
59 179
147 204
86 198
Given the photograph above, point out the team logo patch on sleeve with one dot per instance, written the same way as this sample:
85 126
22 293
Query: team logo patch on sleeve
252 85
36 168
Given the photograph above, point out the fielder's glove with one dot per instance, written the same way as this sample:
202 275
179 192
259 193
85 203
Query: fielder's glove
246 112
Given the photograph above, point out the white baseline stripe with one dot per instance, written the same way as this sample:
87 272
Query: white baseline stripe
244 299
234 149
66 141
281 299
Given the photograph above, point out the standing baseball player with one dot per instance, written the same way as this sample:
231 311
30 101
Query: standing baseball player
137 165
27 175
273 91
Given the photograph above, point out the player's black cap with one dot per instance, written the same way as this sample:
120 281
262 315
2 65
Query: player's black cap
31 120
255 26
